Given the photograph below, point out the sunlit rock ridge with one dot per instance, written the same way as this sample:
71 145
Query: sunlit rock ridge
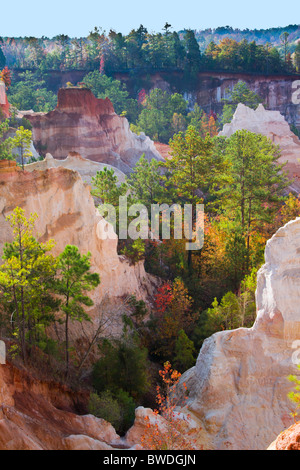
87 125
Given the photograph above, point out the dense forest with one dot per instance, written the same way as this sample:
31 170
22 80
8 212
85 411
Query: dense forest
224 49
260 36
139 54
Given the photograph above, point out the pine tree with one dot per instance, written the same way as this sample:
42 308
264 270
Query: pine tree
22 142
146 182
6 143
297 57
192 169
240 94
184 352
74 279
252 193
105 187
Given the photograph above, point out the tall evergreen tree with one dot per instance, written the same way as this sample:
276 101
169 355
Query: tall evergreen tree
146 182
74 279
297 57
253 191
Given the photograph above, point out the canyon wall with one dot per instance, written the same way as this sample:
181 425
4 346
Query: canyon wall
210 88
42 415
238 388
67 214
276 91
87 125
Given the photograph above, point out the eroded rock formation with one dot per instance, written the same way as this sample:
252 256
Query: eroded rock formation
269 123
87 125
273 125
74 161
68 215
40 415
288 439
238 388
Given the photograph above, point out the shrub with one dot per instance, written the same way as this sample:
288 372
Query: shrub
105 406
118 409
294 396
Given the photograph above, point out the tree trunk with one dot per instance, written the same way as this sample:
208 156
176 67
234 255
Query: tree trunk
67 343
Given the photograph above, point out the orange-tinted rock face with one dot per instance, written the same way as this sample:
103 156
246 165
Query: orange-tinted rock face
40 415
8 166
288 439
89 126
82 100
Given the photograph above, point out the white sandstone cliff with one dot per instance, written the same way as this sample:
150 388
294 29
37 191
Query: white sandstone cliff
238 388
272 124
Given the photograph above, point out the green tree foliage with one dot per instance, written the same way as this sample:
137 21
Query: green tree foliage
294 395
284 38
184 352
30 92
6 143
2 57
25 277
193 57
191 170
194 117
252 193
191 166
232 55
156 119
103 86
240 94
297 57
116 408
146 182
106 187
233 311
222 49
123 365
134 250
74 280
22 142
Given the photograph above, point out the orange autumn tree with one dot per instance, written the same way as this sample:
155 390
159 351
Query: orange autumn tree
167 430
208 125
172 312
5 75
